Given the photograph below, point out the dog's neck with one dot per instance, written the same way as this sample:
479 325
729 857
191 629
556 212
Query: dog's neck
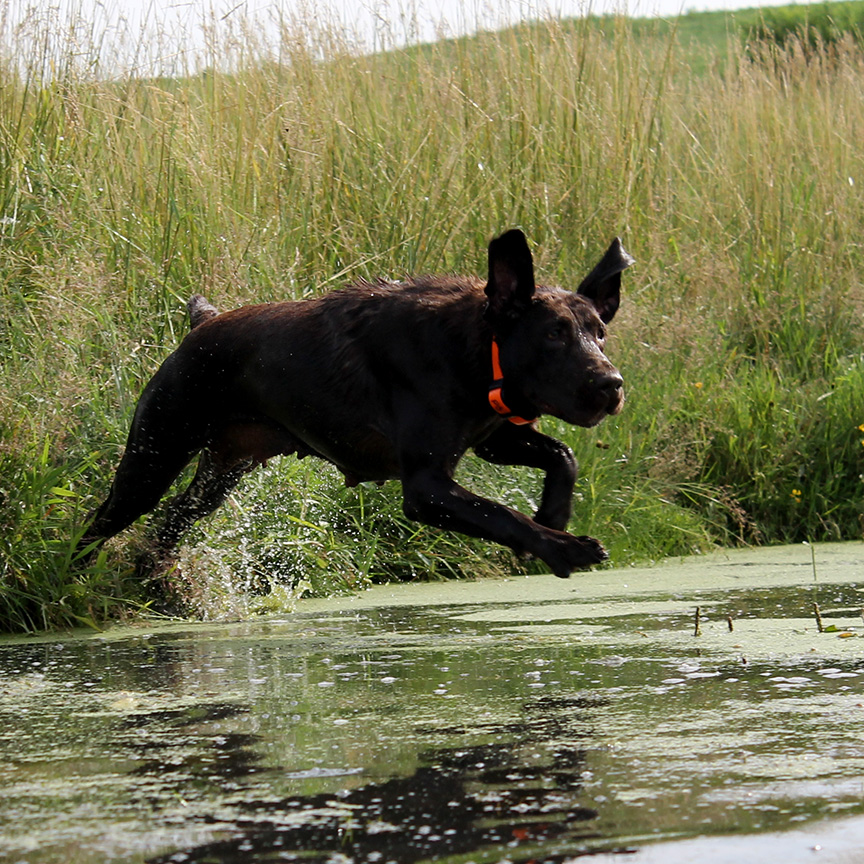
496 395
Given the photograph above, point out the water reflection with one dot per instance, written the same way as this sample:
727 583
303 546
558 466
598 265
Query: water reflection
481 799
447 733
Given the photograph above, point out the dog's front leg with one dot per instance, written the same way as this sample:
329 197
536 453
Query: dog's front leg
432 496
524 445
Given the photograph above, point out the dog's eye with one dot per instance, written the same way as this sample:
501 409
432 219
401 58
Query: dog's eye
555 333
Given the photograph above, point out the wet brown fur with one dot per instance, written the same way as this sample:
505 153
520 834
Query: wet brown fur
386 381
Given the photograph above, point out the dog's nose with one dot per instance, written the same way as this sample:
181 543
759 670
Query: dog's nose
609 383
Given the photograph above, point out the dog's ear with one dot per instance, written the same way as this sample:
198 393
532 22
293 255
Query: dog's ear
602 286
511 276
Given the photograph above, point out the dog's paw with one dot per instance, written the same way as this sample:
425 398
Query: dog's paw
575 553
594 549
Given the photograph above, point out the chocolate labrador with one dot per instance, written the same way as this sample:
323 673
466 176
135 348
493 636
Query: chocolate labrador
385 380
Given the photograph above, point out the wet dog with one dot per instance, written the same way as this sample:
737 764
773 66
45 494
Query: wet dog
386 381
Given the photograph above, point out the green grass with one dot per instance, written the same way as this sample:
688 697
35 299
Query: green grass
731 171
813 26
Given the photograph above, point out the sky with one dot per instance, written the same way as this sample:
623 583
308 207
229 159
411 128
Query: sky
172 35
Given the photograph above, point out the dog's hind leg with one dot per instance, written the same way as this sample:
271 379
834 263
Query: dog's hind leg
143 477
209 488
238 448
137 488
161 442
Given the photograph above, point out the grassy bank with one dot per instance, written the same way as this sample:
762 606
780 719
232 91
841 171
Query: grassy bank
286 173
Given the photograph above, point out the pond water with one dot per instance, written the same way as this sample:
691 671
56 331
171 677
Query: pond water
531 719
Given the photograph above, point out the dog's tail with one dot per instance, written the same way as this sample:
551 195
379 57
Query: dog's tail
200 310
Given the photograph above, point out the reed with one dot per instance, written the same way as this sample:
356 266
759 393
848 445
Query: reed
284 169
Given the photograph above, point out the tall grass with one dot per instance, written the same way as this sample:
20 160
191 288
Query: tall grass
285 171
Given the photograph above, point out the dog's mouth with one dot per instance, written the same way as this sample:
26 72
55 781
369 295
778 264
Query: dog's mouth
617 403
590 410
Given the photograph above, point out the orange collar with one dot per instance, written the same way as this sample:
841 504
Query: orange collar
495 399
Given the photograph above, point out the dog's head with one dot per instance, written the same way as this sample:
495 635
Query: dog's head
552 341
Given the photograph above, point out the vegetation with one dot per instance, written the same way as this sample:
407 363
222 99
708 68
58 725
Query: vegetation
731 173
812 26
